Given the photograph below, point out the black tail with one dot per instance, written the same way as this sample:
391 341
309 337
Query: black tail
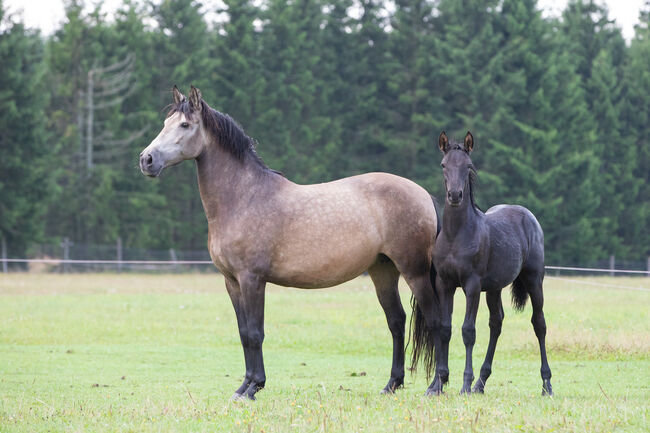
421 336
519 295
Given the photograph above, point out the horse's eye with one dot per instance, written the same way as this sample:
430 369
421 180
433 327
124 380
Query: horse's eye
185 125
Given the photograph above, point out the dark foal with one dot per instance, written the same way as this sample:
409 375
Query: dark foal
484 252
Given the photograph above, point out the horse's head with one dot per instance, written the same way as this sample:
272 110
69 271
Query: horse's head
181 138
457 168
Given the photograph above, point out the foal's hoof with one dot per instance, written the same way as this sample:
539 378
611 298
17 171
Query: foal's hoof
547 390
237 397
465 391
392 386
433 392
478 387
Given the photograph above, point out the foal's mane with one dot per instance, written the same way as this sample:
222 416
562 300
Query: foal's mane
225 130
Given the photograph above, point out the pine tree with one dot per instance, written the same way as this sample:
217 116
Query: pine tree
24 174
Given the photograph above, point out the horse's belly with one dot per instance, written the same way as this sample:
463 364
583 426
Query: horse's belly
320 267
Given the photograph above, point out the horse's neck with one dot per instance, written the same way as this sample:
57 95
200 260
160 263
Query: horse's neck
224 181
460 220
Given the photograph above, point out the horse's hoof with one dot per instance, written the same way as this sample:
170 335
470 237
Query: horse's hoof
433 392
387 391
465 391
547 389
237 397
477 390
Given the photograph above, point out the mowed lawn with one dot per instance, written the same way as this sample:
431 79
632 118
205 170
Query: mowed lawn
150 353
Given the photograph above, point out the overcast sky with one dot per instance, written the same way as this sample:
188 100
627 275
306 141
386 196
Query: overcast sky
48 14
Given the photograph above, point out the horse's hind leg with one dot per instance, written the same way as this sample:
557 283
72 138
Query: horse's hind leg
385 276
493 298
533 284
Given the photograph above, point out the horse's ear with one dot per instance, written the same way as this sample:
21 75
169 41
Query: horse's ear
178 96
195 99
443 141
469 142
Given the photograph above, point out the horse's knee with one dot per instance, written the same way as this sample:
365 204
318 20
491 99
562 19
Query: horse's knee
396 325
255 339
469 335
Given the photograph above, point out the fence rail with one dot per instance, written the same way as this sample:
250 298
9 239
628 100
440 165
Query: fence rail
208 262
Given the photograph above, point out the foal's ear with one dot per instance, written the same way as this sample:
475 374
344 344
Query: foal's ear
178 96
443 141
195 99
469 142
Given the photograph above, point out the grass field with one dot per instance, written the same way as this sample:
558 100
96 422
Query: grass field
150 353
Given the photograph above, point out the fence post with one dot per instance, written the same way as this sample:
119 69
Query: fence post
648 266
612 264
4 255
172 256
119 254
66 254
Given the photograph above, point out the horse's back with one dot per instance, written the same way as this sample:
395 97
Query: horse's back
331 232
516 240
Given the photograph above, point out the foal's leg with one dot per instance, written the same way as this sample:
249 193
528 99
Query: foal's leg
473 295
385 276
252 291
539 325
446 299
493 298
232 286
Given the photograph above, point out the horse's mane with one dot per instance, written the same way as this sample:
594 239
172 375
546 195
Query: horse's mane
225 130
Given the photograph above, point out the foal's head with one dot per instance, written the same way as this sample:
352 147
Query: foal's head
457 169
182 137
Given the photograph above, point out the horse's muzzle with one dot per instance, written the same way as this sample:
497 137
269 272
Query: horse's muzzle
150 164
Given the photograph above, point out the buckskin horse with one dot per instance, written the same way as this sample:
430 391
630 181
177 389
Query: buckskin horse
264 228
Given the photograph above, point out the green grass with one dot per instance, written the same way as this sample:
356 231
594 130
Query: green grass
149 353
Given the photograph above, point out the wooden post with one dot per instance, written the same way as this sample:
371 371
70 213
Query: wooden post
612 265
90 112
4 255
172 256
648 266
119 254
66 254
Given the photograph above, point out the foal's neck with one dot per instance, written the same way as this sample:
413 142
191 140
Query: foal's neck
457 218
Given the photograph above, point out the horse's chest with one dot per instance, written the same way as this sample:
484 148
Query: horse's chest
456 263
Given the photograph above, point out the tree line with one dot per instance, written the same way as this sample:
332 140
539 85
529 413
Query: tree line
559 108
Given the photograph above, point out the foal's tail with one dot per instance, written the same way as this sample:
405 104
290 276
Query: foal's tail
519 294
421 335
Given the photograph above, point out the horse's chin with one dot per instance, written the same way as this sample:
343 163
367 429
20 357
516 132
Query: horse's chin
152 174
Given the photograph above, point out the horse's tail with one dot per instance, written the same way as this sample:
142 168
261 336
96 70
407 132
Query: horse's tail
419 333
519 294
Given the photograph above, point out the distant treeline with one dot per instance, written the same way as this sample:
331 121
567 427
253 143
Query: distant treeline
559 109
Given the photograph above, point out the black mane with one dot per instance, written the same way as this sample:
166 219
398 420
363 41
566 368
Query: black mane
225 130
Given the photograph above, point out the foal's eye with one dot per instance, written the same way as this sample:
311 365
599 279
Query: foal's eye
185 125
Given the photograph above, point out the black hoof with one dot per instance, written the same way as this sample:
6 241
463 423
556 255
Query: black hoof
433 392
465 391
547 389
392 386
478 387
237 397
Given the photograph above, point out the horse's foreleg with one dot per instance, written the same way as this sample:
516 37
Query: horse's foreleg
446 298
539 324
495 306
473 295
232 286
385 277
252 296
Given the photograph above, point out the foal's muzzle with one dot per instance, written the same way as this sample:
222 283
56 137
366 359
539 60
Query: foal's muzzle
455 197
150 163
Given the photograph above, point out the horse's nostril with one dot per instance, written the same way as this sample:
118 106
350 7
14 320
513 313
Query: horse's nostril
460 195
148 159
